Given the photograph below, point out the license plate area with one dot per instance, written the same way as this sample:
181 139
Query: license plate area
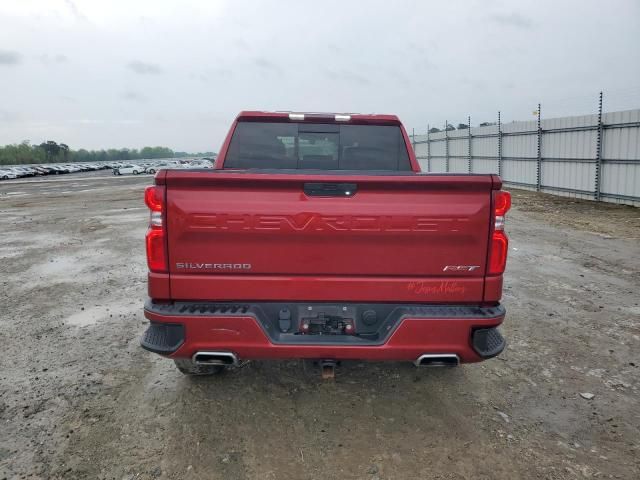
326 320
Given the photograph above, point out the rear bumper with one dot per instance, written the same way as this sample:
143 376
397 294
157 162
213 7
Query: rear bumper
181 329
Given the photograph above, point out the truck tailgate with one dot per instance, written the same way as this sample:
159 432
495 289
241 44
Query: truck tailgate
267 236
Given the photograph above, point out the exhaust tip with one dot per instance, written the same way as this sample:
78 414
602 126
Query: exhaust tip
215 358
437 360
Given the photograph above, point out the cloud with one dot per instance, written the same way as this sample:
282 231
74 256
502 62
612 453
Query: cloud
513 19
8 57
212 75
74 10
265 64
347 76
132 96
8 117
48 60
144 68
88 121
241 44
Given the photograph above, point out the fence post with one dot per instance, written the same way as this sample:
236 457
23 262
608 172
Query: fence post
598 175
446 146
428 149
499 146
539 161
469 144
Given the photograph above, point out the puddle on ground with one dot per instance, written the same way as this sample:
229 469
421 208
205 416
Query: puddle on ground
94 315
60 266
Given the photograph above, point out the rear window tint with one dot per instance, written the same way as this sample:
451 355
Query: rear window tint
269 145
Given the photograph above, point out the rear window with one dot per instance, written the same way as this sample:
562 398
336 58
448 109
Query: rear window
317 146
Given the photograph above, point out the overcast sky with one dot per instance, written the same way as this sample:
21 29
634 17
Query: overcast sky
97 73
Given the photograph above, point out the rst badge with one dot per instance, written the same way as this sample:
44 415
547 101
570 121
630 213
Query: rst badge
460 268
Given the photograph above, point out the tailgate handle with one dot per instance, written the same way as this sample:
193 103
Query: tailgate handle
316 189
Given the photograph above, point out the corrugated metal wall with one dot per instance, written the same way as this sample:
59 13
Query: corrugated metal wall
582 156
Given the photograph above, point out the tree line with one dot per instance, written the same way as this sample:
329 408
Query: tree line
461 126
53 152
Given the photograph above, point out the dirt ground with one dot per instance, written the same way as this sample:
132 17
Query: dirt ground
80 399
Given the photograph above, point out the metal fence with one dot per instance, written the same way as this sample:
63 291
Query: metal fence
591 156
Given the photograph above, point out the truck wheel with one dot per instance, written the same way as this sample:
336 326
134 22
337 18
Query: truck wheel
151 171
187 367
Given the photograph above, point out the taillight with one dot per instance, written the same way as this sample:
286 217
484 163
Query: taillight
498 254
153 198
501 202
499 240
155 238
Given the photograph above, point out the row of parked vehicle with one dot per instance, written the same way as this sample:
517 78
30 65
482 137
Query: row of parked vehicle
153 167
35 170
118 168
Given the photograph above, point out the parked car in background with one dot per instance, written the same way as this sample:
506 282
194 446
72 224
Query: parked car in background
200 164
152 169
23 171
47 169
129 169
7 174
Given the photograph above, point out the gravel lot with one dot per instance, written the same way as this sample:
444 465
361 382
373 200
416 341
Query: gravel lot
80 399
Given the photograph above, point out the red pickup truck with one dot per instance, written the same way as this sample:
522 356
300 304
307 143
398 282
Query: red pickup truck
316 236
